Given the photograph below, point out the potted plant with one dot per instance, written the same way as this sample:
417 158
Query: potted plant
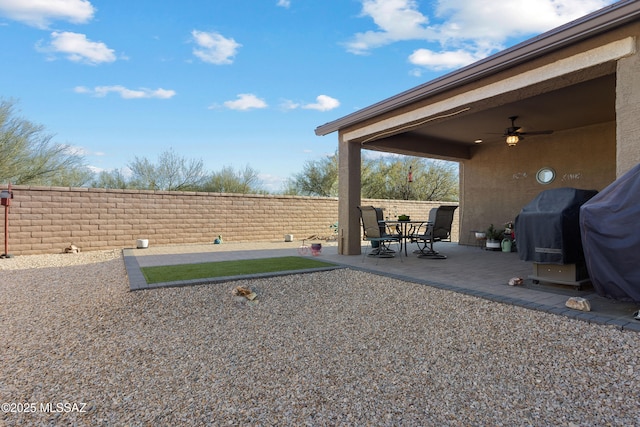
494 238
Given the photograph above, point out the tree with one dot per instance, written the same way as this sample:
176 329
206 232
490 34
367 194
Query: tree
29 156
318 178
172 172
438 180
175 173
387 178
227 180
71 177
115 179
382 178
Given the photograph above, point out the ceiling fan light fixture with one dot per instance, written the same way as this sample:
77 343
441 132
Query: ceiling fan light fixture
512 140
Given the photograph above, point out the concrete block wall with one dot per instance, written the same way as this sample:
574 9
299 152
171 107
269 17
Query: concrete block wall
48 219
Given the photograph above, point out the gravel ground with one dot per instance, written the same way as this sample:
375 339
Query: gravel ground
332 348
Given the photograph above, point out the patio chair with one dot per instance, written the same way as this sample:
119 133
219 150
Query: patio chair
376 234
438 229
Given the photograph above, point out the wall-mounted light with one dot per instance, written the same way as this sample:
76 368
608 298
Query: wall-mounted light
512 140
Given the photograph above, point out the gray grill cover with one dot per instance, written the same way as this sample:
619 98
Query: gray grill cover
548 228
610 226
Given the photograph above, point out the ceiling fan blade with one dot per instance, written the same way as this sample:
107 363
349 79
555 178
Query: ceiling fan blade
539 132
512 130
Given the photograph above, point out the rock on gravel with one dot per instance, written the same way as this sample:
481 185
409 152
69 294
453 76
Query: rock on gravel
332 348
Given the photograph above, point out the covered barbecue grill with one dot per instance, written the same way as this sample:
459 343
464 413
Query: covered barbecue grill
610 225
548 234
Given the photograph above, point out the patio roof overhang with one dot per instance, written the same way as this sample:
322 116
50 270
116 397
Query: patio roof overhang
443 118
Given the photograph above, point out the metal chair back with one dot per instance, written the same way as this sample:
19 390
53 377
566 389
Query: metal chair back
442 222
370 224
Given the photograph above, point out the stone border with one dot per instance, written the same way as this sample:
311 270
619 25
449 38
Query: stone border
137 282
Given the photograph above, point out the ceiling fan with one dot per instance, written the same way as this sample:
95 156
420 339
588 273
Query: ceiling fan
514 135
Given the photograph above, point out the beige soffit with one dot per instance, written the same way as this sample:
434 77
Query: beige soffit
456 104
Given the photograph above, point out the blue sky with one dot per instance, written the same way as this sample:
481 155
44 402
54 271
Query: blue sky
238 82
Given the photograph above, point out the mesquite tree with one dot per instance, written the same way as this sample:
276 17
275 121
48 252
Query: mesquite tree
28 155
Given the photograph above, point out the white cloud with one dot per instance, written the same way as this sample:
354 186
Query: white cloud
284 3
95 169
462 31
102 91
396 20
246 101
287 104
272 183
214 48
495 22
77 48
40 13
442 60
75 150
324 103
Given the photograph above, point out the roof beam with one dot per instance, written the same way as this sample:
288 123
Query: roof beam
415 145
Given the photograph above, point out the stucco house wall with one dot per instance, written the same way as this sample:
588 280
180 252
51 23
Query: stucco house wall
498 182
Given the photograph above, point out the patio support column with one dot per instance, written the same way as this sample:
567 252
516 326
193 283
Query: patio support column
349 164
627 113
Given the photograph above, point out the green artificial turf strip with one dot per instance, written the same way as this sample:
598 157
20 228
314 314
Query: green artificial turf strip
172 273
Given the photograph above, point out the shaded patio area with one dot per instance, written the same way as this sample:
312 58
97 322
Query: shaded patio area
468 270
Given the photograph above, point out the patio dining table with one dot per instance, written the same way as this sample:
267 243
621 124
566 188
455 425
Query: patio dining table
405 230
